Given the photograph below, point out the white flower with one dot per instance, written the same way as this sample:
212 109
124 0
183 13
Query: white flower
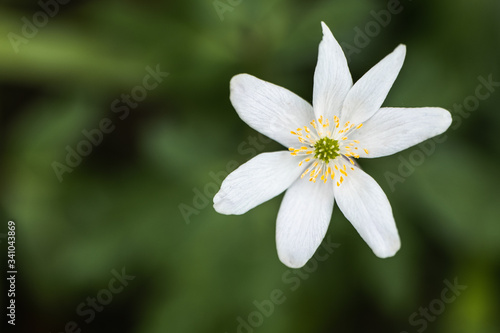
346 122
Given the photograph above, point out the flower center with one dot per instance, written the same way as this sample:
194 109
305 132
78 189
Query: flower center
328 149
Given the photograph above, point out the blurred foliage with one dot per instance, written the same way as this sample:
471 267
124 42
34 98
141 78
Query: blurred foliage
120 207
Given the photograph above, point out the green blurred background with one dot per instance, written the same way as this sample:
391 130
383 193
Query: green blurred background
141 200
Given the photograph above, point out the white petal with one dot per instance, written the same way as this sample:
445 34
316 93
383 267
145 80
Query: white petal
391 130
332 79
270 109
258 180
365 205
303 220
369 92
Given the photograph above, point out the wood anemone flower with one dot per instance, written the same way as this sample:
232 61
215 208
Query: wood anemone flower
344 123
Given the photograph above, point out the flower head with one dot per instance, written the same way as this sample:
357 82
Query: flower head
324 141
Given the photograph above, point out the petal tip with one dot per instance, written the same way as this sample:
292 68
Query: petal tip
326 30
400 50
217 198
448 118
224 209
219 204
235 79
389 250
290 260
444 120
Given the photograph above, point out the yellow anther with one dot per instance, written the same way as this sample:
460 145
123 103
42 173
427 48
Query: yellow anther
356 141
366 150
344 138
341 179
291 149
343 172
359 126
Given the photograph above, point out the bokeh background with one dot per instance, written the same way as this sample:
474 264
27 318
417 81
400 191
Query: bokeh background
140 201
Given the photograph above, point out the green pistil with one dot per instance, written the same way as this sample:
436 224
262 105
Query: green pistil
326 149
